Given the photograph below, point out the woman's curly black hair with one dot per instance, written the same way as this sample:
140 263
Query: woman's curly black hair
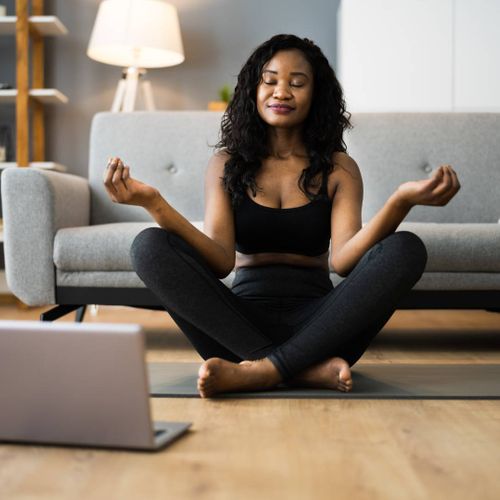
243 133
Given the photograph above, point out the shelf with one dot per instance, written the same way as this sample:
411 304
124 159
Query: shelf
44 25
45 96
4 289
46 165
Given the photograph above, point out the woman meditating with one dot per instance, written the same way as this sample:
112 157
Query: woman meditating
278 187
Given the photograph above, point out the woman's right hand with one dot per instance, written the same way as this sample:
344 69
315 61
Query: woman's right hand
124 189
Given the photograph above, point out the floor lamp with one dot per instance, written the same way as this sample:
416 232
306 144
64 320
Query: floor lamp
136 34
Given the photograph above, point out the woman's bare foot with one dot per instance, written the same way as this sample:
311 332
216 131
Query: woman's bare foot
218 375
334 373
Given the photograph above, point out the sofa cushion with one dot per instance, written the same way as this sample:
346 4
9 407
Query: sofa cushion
104 247
451 247
463 247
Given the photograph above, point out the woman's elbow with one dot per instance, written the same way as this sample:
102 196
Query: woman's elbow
341 274
338 269
226 271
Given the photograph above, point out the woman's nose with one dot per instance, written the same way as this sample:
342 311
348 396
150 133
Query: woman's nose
281 92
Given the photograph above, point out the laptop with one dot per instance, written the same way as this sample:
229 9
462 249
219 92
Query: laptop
81 384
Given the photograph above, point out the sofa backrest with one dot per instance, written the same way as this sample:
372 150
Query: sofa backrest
392 148
171 149
166 149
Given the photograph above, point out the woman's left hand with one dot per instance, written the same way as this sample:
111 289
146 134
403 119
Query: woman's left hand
437 191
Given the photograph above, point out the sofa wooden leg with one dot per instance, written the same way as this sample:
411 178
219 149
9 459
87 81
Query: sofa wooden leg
59 311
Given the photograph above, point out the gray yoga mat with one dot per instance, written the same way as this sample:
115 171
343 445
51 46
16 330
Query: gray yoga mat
370 381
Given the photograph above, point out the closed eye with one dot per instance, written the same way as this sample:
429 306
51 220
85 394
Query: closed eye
291 85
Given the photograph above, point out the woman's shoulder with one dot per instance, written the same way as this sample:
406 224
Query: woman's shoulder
218 160
344 163
221 155
343 159
345 172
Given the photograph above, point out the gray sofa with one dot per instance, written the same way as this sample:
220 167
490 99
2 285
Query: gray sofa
67 243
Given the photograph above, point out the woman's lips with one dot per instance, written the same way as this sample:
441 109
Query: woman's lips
281 110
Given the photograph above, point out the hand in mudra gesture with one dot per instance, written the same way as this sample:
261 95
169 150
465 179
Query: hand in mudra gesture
438 190
124 189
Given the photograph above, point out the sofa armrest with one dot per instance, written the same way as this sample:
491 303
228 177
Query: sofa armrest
36 203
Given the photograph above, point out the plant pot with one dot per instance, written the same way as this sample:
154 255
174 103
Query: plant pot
217 106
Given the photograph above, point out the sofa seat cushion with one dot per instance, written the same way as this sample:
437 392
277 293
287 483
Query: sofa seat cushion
129 279
451 247
103 247
458 247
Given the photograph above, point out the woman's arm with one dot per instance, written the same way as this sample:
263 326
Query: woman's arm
381 225
124 189
350 241
168 218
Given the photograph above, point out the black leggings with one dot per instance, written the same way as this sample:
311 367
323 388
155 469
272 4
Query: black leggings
292 315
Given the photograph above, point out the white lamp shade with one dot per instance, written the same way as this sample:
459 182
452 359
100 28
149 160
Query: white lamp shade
142 33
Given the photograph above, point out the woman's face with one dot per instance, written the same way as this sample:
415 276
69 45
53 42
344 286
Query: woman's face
284 93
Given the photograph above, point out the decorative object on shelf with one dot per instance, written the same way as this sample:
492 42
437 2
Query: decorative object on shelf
3 10
5 86
137 34
5 143
225 95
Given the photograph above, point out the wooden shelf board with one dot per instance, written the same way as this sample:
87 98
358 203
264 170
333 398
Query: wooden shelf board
45 96
44 25
4 289
46 165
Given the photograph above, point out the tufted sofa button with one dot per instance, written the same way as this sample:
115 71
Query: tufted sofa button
427 168
172 168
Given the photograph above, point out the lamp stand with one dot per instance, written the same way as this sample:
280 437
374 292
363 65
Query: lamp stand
126 91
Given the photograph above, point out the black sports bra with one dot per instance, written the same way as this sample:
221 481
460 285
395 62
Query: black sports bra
302 230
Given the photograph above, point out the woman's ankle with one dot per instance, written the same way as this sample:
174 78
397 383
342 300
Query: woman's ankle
269 370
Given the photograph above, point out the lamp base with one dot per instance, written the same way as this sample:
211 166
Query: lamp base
126 91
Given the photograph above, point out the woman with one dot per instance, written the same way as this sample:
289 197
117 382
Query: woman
283 321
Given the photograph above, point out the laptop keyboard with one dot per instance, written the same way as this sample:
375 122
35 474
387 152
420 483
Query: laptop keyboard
162 431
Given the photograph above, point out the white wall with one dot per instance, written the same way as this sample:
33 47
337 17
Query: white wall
477 55
420 55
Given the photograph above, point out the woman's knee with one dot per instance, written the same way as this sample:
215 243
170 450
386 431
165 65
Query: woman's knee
410 249
158 244
145 243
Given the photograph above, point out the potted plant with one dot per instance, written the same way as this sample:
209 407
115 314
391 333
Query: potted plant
225 95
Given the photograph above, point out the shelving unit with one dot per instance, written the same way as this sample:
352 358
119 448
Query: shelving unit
30 97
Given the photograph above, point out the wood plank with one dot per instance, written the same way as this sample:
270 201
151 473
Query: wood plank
48 96
45 96
37 7
38 83
43 25
22 82
38 132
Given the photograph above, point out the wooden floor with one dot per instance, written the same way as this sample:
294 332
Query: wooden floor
293 449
